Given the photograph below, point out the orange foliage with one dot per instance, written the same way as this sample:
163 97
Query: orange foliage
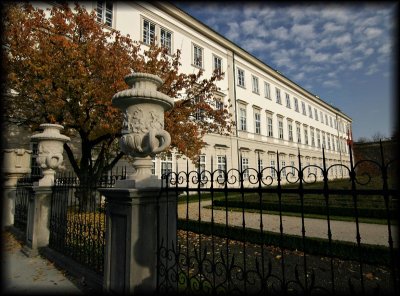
65 68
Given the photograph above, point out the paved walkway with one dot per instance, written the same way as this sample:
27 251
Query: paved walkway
36 275
374 234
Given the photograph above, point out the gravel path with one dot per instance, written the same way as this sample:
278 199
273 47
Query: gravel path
374 234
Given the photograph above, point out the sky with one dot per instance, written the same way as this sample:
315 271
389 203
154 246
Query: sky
346 54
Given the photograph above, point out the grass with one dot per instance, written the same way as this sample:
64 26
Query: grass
371 207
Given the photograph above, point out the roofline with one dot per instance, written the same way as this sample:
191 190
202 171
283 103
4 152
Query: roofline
192 22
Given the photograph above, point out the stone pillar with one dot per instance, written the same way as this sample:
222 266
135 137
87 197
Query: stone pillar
134 205
38 228
50 147
16 163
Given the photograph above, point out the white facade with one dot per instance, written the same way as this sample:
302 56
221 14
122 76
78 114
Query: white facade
267 107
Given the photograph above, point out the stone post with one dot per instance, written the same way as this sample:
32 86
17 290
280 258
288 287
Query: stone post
50 147
134 205
16 163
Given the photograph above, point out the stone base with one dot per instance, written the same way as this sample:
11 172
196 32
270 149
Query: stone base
29 252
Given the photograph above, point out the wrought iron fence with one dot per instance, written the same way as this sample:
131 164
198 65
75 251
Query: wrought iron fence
23 193
305 236
77 219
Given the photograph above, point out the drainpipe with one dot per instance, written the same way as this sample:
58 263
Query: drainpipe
234 98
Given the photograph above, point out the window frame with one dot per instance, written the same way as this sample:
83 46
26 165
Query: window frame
257 122
243 118
255 86
267 90
241 77
104 13
197 62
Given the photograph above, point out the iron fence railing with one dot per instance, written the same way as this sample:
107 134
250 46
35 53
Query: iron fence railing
334 236
23 193
77 219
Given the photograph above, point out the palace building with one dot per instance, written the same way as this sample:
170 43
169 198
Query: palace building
272 113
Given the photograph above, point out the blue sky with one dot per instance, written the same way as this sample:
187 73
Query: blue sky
343 53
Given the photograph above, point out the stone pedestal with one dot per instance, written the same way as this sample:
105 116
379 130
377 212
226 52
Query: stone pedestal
16 163
133 236
38 228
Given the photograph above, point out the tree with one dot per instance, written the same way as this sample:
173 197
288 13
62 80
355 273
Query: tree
64 68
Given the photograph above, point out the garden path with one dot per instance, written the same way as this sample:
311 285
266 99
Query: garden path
374 234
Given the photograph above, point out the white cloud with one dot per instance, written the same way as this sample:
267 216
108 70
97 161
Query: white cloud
249 26
384 49
356 66
332 27
372 69
342 39
255 44
233 32
331 83
303 31
371 33
280 33
299 76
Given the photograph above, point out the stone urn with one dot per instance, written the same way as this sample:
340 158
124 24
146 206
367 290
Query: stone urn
50 151
143 134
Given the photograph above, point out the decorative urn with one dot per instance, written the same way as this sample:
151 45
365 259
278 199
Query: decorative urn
143 134
50 151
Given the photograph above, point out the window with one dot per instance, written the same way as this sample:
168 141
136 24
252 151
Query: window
334 120
283 168
333 143
270 130
305 135
290 130
202 166
330 120
309 111
322 117
296 105
278 95
323 140
104 12
316 114
221 163
219 105
166 164
287 101
292 168
240 81
273 173
166 39
303 107
260 165
312 137
298 134
197 56
329 141
217 64
242 117
255 85
318 139
149 32
245 167
257 122
326 120
280 128
267 90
